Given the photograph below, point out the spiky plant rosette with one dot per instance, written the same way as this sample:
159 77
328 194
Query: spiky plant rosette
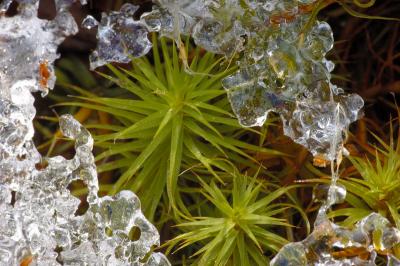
237 223
172 119
375 185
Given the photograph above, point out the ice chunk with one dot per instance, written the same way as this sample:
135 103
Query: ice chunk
32 43
171 18
213 25
321 193
294 81
119 37
89 22
329 244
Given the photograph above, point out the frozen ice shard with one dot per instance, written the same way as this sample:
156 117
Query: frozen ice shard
119 37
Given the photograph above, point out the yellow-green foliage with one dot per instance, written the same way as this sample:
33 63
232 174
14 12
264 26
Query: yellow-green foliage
241 224
377 189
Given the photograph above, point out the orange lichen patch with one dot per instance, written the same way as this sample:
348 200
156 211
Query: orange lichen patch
44 74
275 19
26 261
306 8
283 17
320 161
360 252
290 16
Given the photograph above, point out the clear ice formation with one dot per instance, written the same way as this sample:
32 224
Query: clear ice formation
23 41
330 244
282 67
119 37
39 224
89 22
333 245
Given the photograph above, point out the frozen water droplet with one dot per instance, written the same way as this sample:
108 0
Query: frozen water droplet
89 22
4 5
337 194
330 194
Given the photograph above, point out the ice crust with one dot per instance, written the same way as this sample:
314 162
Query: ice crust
39 224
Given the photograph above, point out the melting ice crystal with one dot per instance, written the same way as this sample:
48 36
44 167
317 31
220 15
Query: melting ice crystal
38 224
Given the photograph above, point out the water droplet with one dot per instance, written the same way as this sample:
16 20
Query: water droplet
89 22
